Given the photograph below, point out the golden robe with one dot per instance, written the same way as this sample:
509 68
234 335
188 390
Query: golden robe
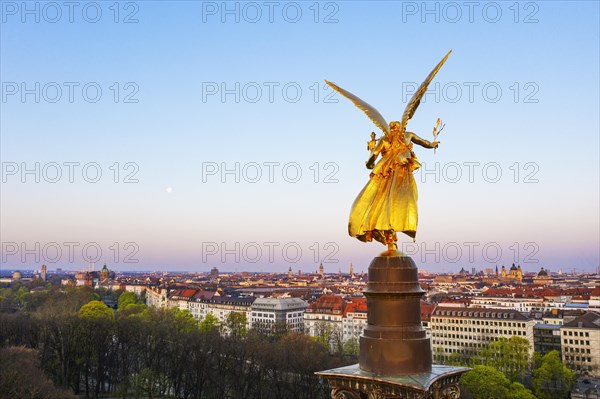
388 202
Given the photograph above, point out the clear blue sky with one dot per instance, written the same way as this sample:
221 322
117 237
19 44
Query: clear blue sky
519 96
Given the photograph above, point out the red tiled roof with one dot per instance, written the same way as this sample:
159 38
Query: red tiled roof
327 304
188 293
204 295
426 310
536 292
356 305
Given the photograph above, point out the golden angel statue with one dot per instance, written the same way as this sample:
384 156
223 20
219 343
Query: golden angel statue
388 202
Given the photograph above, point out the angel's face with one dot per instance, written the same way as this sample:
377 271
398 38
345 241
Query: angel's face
395 128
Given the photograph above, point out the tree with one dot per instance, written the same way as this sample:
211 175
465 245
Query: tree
95 337
236 324
337 341
324 333
518 391
510 356
185 321
18 329
8 300
536 360
552 379
456 359
95 310
351 347
438 355
21 376
485 382
210 324
132 308
125 299
68 301
292 363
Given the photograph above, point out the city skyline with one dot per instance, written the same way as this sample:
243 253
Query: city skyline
218 128
331 270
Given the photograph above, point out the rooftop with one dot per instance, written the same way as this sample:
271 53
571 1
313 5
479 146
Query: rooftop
279 303
590 320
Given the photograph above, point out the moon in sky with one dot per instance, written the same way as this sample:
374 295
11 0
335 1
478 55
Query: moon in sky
169 189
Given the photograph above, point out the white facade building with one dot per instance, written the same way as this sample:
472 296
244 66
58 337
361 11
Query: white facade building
221 307
581 344
467 330
156 297
268 314
353 325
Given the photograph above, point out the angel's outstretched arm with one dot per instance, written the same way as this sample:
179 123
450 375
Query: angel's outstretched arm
374 154
421 141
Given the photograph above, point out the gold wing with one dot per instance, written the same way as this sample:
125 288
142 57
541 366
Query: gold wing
371 112
414 102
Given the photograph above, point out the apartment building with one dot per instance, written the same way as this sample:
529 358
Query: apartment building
354 319
324 316
271 314
466 331
204 303
581 344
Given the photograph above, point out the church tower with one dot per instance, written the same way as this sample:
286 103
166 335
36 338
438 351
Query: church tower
513 272
104 273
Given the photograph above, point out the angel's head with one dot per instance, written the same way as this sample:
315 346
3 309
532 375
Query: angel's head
395 127
373 135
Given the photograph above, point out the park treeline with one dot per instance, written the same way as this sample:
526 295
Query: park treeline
88 349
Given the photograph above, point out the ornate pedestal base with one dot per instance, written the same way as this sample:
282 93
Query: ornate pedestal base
353 383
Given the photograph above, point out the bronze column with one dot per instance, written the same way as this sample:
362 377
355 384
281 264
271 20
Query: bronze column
394 342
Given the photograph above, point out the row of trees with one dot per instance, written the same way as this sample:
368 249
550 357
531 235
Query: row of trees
505 369
136 352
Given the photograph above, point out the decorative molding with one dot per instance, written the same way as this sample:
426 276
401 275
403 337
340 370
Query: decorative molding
346 387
